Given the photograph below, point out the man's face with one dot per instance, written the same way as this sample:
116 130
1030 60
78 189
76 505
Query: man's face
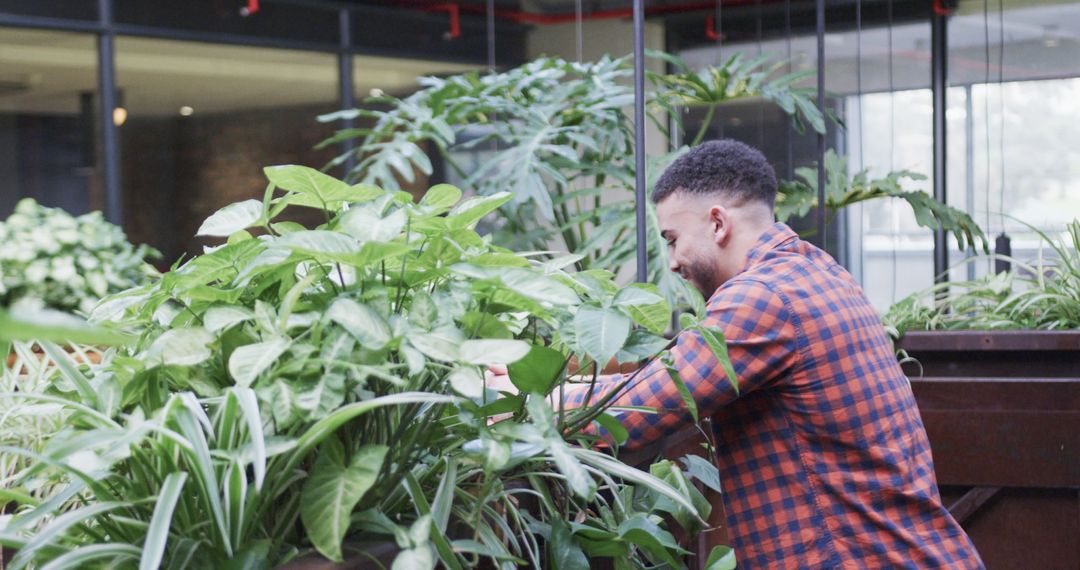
693 251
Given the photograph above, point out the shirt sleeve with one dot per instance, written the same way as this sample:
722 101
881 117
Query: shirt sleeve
761 343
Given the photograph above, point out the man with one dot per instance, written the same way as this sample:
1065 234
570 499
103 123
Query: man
823 458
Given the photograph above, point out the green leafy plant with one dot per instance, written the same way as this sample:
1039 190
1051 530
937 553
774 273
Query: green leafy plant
1042 295
798 197
294 389
734 79
562 139
52 259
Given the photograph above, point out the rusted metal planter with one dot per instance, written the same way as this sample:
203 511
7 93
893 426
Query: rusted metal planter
1002 411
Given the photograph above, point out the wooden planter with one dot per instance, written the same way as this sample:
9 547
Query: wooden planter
1002 411
92 357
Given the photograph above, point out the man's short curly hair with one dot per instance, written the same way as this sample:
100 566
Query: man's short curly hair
724 167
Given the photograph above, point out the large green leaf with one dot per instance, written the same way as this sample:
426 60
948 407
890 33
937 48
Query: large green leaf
182 347
441 345
317 190
648 536
721 558
485 352
564 553
221 317
441 196
247 362
467 213
538 371
361 321
601 332
231 219
365 224
333 489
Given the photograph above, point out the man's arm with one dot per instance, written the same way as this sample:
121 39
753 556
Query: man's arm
761 342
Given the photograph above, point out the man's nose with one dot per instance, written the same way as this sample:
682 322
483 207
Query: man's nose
673 265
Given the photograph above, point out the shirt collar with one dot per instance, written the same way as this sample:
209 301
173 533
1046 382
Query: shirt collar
778 234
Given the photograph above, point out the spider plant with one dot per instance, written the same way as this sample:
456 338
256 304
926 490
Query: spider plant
1039 295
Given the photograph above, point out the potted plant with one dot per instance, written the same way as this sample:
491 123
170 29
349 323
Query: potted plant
295 389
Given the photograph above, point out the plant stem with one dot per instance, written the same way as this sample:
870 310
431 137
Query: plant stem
704 125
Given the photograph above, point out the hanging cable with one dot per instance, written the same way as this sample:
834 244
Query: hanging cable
719 27
892 146
491 62
579 18
1002 244
761 104
787 55
859 120
986 113
858 79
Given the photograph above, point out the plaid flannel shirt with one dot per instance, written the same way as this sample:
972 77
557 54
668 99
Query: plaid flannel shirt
823 458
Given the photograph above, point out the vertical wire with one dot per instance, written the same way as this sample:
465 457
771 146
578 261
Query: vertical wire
579 18
819 15
1001 111
491 59
892 147
719 29
761 104
859 120
787 55
639 140
986 116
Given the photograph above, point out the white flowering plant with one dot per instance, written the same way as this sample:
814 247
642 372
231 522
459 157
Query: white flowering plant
51 259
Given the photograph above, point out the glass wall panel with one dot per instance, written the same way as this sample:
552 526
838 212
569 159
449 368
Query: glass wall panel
48 104
72 9
1017 75
203 120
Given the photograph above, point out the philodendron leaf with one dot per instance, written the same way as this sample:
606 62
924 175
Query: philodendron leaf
221 317
365 224
231 219
333 489
314 189
467 213
247 362
601 332
538 371
649 537
441 196
361 321
721 558
564 552
541 288
183 347
485 352
467 381
440 345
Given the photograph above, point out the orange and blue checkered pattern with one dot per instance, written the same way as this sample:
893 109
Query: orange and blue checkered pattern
823 458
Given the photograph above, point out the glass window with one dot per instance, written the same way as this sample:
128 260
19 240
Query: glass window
76 10
202 120
1016 97
48 110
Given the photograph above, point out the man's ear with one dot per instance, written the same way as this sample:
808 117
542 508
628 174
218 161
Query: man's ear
720 222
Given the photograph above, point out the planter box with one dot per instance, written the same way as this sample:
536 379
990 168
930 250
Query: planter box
1002 411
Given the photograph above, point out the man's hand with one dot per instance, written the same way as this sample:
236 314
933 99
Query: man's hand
498 377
